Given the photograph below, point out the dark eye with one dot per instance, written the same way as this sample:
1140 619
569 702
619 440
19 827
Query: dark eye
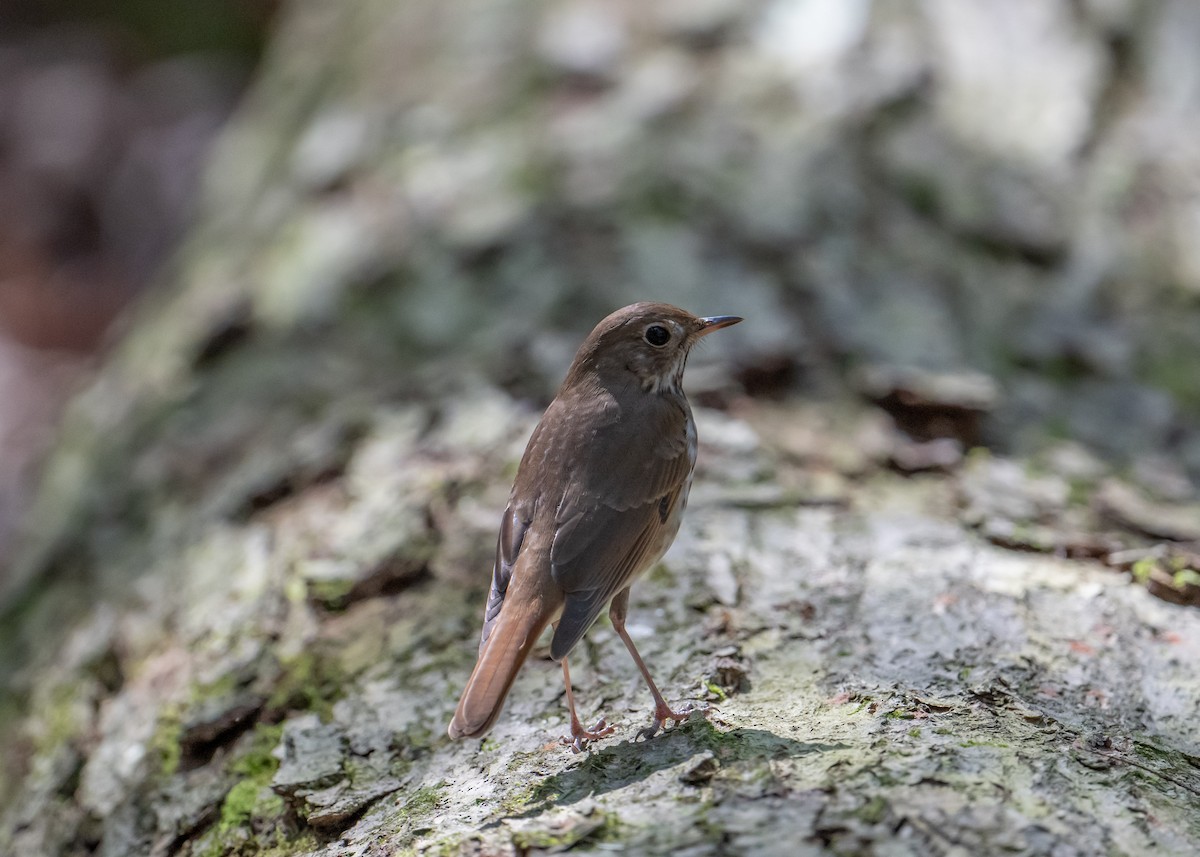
656 334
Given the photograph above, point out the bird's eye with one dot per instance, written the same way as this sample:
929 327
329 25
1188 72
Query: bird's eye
656 334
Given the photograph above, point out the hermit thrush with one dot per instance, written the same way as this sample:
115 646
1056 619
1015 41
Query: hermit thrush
597 500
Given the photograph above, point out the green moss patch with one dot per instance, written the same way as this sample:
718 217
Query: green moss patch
311 681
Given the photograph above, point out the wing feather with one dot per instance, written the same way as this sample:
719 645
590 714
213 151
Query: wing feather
609 547
513 526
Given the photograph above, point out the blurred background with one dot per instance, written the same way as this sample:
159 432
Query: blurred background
982 217
107 112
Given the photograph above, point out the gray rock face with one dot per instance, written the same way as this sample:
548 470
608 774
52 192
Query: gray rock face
252 585
875 666
310 755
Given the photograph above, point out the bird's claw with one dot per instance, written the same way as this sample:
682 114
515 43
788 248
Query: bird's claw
579 737
663 715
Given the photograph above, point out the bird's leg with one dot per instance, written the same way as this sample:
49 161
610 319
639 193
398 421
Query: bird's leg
662 711
579 736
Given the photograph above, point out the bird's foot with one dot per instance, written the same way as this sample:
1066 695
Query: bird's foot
579 737
664 713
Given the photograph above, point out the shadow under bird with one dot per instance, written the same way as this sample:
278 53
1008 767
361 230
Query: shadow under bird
597 501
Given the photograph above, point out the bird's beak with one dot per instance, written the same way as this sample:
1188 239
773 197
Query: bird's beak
716 322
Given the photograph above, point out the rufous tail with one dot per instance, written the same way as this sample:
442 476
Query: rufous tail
499 661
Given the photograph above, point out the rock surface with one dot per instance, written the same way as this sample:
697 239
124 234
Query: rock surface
250 591
881 677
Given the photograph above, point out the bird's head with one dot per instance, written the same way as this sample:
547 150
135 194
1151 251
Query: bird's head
649 341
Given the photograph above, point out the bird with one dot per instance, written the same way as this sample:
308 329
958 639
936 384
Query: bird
597 500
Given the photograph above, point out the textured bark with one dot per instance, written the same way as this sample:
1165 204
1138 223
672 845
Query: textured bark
884 680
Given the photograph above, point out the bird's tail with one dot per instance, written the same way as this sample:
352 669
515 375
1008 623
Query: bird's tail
500 658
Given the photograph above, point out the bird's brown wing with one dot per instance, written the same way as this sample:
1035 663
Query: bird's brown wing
610 547
611 520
